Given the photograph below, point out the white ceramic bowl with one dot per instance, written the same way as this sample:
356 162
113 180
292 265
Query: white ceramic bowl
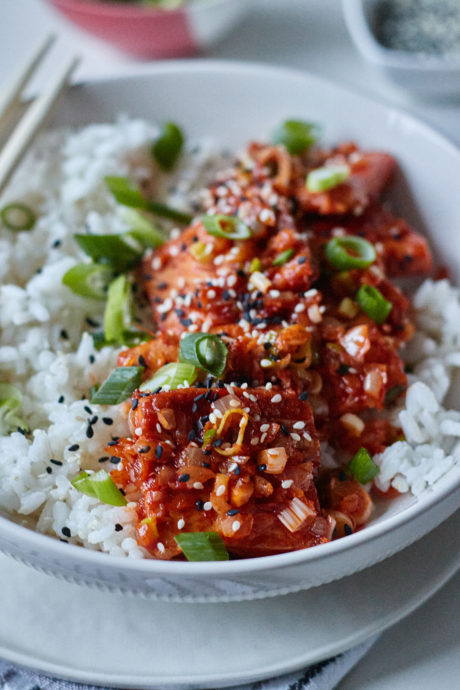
236 103
422 75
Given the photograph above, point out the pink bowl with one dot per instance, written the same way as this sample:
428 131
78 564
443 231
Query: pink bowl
147 32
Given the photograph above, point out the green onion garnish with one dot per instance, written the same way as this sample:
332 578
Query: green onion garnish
142 229
121 383
209 436
202 546
89 280
362 467
17 216
117 315
167 148
130 338
350 252
10 403
328 177
205 351
128 194
393 393
99 485
109 249
373 303
230 227
173 375
255 265
296 135
283 257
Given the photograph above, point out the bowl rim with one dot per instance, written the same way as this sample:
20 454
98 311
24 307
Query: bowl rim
118 10
149 567
369 46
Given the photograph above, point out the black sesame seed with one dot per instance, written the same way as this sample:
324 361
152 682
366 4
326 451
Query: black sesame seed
217 443
198 397
237 471
49 470
194 408
226 295
241 273
91 322
93 420
61 399
347 529
66 532
191 435
334 533
92 359
207 452
64 541
107 420
56 243
90 432
162 286
157 390
303 396
262 468
342 476
144 449
118 527
112 443
302 259
134 403
122 491
199 505
63 334
163 316
88 409
267 346
55 462
103 459
147 276
205 464
284 429
233 511
184 477
158 451
73 447
186 322
114 459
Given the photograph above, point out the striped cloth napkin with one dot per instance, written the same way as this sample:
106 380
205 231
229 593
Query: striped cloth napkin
322 676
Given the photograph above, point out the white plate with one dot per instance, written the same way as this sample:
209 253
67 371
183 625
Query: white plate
235 103
92 637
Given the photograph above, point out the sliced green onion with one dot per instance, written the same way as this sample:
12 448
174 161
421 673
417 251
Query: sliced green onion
109 249
128 194
328 177
208 436
89 280
230 227
350 252
130 338
117 315
393 393
202 546
167 148
10 403
99 485
172 375
200 251
283 257
142 229
296 135
373 303
17 216
121 383
255 265
362 467
205 351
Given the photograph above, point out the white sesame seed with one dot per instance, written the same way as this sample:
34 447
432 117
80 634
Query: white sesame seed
198 485
219 260
295 437
206 326
181 523
276 398
244 385
138 431
161 547
211 294
263 437
287 483
208 248
208 505
268 385
220 490
236 525
174 234
298 425
212 418
231 281
265 427
314 313
233 466
253 398
274 293
266 363
245 409
311 293
158 427
181 282
255 441
218 414
156 263
235 403
306 436
174 250
299 307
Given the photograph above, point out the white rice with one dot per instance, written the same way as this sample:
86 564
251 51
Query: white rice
62 179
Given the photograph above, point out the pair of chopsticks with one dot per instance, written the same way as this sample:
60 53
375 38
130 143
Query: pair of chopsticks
28 125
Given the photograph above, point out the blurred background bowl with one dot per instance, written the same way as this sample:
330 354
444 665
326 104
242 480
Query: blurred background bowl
431 75
147 32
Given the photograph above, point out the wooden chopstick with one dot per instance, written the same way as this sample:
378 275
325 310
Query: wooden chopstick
9 95
33 118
